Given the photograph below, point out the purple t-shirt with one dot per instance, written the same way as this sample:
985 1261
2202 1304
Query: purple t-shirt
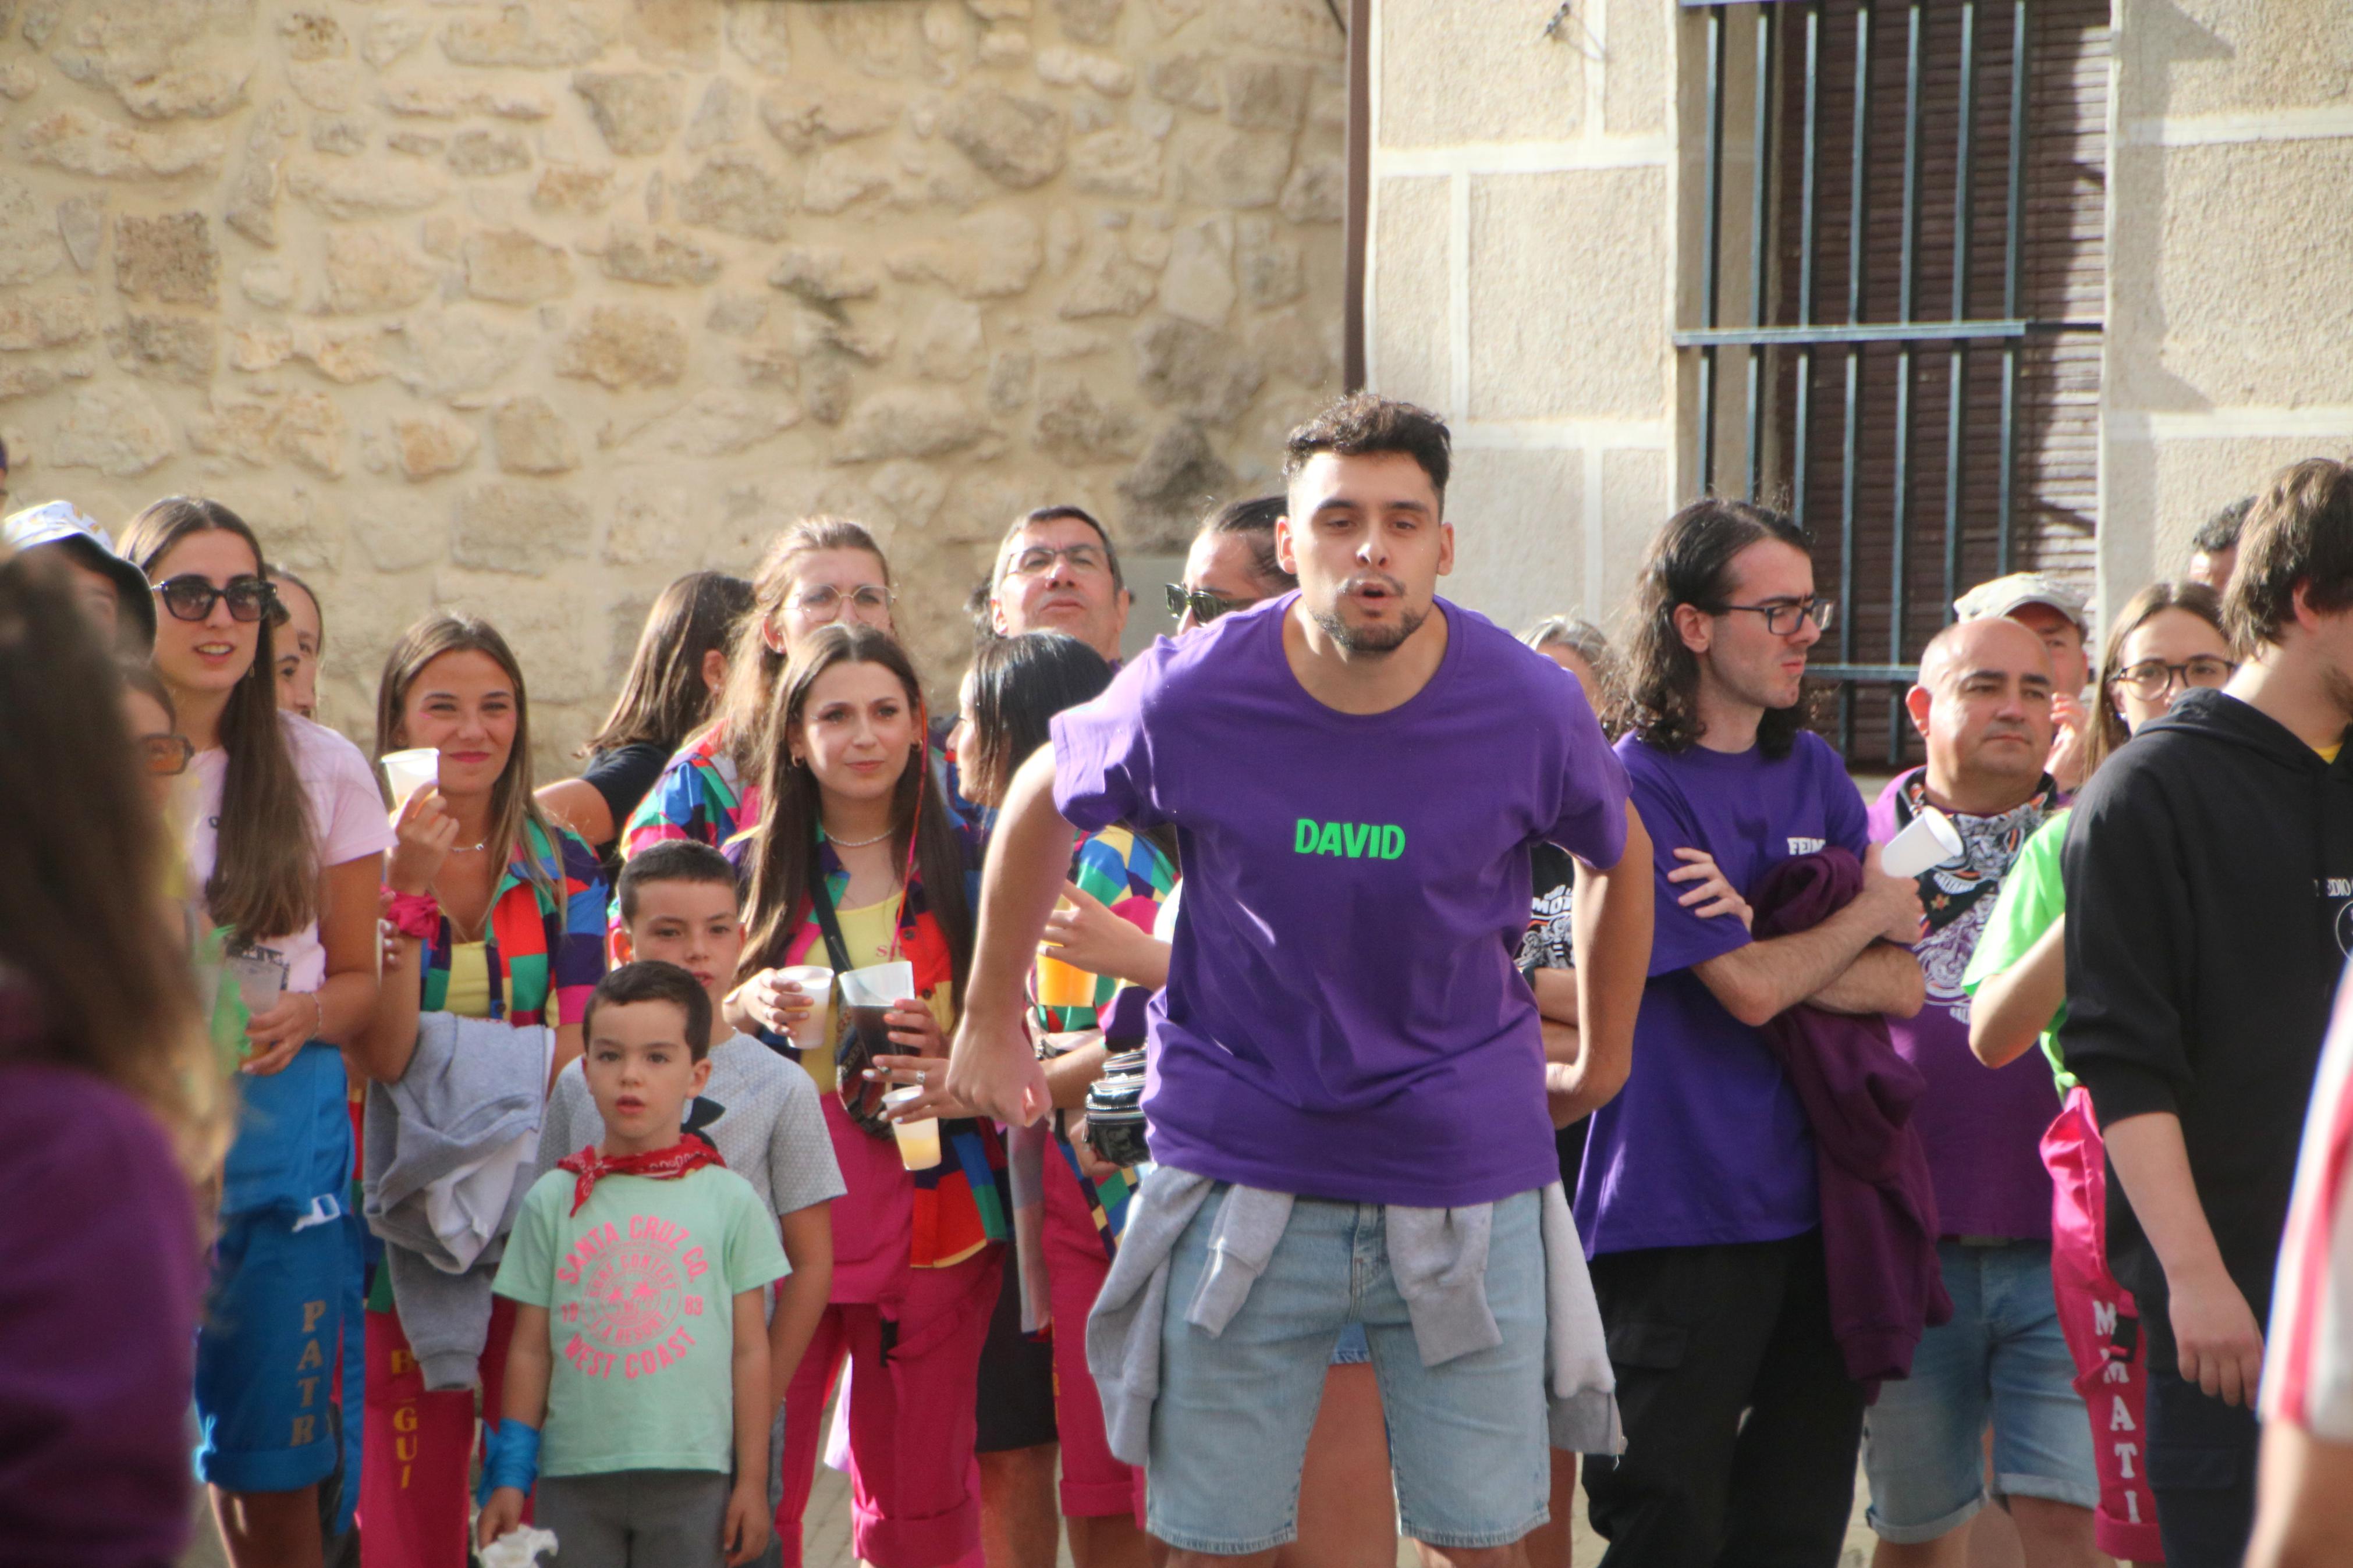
1983 1128
1341 1019
1707 1144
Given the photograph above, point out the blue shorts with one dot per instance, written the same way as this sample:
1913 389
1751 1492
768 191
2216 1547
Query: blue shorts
266 1350
1467 1439
1353 1349
2003 1360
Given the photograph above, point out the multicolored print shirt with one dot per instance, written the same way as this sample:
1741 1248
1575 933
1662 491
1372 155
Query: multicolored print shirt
1131 876
639 1289
545 954
962 1204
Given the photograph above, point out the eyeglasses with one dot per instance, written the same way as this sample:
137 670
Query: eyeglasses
167 756
2153 678
825 599
1041 558
1205 606
1781 618
190 598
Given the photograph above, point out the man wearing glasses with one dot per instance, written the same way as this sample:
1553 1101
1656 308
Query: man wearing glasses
1058 572
1698 1200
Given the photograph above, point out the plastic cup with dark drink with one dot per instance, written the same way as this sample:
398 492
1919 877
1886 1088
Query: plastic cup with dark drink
866 997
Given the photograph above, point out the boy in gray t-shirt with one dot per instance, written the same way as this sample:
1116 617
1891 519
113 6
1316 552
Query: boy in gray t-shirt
678 903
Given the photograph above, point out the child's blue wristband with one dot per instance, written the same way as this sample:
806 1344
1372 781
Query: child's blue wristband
510 1459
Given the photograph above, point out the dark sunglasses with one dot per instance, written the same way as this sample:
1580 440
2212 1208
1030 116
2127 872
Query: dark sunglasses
167 756
1205 606
190 598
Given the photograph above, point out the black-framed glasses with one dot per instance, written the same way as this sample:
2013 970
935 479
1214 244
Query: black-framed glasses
1041 558
824 598
190 598
2153 678
167 756
1783 616
1205 606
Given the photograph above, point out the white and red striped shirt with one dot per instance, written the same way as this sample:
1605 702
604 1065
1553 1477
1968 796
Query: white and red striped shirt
2309 1357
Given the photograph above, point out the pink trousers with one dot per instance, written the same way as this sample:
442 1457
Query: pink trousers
418 1448
1093 1483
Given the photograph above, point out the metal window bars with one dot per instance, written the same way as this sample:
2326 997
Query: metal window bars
1956 332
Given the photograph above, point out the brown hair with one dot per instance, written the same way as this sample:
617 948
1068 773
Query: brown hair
1364 422
783 855
651 980
2108 731
279 616
2300 530
1655 690
1252 521
664 699
264 880
141 677
512 803
84 937
753 666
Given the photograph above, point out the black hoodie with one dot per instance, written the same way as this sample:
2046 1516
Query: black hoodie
2209 871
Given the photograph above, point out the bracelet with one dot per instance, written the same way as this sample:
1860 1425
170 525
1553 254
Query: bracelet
413 914
319 1009
510 1459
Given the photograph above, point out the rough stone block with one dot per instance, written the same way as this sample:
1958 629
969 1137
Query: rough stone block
346 190
81 224
516 269
1596 350
80 143
1170 484
115 428
30 244
567 188
1018 142
1220 166
1477 73
1189 80
506 526
170 258
368 270
45 321
539 38
823 273
163 62
432 443
1121 163
387 39
761 35
737 194
718 117
1198 283
947 342
639 254
807 115
718 423
1073 425
635 111
330 87
907 422
1075 68
252 206
1271 272
1199 372
1267 95
987 255
532 438
624 345
1318 191
840 177
271 284
170 348
345 358
453 352
1109 282
480 154
307 431
674 32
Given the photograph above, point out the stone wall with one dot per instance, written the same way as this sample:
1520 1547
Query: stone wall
2230 266
525 307
1520 281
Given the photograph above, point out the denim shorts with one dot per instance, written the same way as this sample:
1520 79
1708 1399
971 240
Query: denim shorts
2003 1360
1467 1439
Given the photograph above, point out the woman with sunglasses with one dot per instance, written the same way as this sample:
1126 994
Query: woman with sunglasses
285 850
858 863
497 913
820 571
2168 638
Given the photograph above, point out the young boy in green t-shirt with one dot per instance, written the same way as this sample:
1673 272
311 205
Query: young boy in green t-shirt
637 1389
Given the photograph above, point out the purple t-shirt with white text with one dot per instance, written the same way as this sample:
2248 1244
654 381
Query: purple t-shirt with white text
1982 1127
1707 1145
1341 1019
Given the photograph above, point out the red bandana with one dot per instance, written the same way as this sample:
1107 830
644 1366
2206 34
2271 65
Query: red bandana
659 1164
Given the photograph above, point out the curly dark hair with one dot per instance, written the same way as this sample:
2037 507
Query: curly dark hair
2220 532
1363 423
1688 562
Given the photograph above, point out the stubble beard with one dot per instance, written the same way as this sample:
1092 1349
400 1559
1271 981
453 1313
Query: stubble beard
1370 640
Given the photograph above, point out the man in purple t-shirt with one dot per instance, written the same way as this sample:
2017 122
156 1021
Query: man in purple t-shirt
1698 1198
1984 705
1343 1051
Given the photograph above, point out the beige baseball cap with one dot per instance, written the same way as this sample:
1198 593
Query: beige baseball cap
2004 594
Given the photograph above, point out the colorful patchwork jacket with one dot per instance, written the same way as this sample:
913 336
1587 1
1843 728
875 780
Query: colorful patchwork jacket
546 955
964 1203
698 796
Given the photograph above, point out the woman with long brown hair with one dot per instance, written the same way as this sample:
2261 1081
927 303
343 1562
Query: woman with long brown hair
674 680
820 571
110 1108
497 913
286 849
2168 638
856 863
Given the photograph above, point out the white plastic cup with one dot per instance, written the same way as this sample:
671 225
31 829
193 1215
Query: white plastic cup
260 980
1930 840
816 982
919 1142
410 770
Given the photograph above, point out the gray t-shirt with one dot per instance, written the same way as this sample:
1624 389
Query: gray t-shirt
759 1110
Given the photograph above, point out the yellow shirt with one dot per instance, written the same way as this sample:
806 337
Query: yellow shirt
2328 753
468 995
868 933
